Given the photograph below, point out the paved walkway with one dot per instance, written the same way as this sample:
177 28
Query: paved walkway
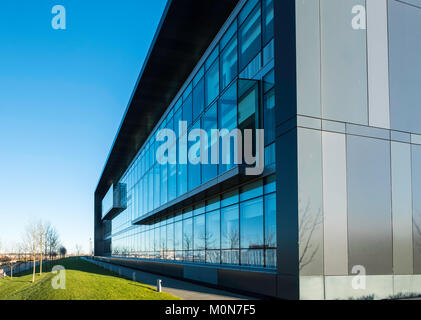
182 289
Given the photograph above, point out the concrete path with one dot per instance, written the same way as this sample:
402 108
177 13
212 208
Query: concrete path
182 289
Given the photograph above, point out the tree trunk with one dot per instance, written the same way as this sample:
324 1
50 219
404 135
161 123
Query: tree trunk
33 273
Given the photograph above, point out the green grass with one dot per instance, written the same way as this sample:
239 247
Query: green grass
84 281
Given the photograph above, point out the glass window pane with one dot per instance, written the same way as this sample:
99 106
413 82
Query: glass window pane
268 22
228 34
248 101
212 57
270 221
212 204
157 184
164 183
213 231
199 232
251 190
209 123
188 234
252 257
230 256
212 83
269 116
198 99
213 256
170 237
194 174
230 236
246 10
251 224
188 110
229 198
181 174
178 235
227 116
250 39
229 63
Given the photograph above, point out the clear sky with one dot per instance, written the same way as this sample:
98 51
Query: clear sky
62 97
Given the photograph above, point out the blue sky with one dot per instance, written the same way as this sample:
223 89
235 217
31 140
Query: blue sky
62 97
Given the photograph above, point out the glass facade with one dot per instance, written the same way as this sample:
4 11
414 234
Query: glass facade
355 180
235 227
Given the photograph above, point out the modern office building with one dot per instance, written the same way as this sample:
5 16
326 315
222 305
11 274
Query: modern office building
336 212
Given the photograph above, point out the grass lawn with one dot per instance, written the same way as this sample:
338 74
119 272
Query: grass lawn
84 281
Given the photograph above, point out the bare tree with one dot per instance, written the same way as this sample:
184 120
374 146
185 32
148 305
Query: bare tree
78 249
30 242
51 240
41 231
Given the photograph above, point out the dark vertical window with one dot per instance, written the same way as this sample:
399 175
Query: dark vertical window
227 116
212 83
198 98
188 110
250 37
229 65
268 21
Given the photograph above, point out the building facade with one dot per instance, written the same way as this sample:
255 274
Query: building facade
336 212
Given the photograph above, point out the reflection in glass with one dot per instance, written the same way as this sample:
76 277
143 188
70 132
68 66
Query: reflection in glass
210 122
198 99
227 115
213 231
249 37
230 235
212 83
199 232
229 63
251 224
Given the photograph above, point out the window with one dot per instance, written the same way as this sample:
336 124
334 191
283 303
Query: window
251 190
247 104
157 183
230 227
270 221
251 224
229 63
181 172
227 115
250 39
178 235
188 110
198 98
269 116
188 239
164 183
199 232
268 22
194 175
209 122
212 83
232 31
213 232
